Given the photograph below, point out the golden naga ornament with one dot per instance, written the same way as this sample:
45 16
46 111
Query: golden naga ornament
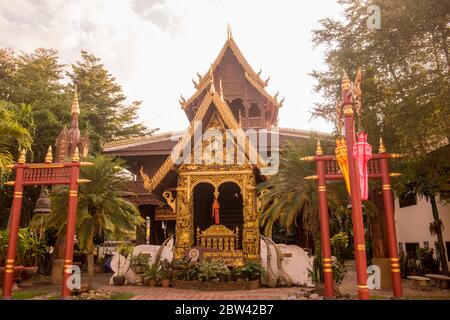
342 160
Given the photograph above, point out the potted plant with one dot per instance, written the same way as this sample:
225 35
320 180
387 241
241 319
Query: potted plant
152 275
251 272
139 263
164 271
316 273
119 278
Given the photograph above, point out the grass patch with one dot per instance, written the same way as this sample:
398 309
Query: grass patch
25 295
122 296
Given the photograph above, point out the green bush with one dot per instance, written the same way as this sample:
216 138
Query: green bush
213 271
250 271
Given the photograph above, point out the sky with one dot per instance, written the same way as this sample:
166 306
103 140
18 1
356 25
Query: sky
155 47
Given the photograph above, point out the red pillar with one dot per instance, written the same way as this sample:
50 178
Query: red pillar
324 230
390 229
357 218
13 233
70 228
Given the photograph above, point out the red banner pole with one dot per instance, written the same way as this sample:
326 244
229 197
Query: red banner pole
14 229
324 226
66 292
390 225
357 218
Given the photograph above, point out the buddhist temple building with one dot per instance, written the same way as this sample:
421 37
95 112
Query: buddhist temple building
200 184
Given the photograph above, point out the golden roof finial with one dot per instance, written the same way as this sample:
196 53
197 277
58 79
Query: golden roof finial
345 85
229 34
22 157
212 89
49 155
319 150
381 148
75 106
76 155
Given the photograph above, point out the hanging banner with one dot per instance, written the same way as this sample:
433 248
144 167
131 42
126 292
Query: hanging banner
342 160
362 153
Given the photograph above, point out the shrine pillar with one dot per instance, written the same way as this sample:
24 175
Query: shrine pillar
390 224
184 212
14 229
250 235
355 191
66 292
324 225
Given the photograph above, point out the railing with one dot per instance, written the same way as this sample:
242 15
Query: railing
218 237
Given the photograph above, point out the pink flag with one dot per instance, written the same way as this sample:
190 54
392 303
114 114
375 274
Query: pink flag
362 152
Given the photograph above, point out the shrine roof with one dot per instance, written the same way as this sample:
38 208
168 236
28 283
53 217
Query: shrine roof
162 144
250 74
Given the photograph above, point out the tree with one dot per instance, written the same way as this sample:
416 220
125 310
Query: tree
429 181
287 194
105 113
13 136
101 209
406 87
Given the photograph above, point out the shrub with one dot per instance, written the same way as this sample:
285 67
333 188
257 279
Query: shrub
213 271
250 271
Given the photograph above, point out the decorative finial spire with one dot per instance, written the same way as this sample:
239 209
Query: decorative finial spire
76 155
75 106
229 34
212 89
381 148
319 150
221 88
22 157
49 155
345 85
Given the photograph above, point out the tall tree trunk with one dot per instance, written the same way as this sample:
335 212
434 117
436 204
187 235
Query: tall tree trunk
440 239
90 267
377 224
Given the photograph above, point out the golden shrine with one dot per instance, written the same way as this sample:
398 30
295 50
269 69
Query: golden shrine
206 177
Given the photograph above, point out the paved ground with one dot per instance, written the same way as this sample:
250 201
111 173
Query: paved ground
101 281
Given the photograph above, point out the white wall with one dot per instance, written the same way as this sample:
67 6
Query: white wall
412 223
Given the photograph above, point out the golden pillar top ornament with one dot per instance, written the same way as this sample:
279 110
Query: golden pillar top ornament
381 148
319 150
49 155
22 157
76 156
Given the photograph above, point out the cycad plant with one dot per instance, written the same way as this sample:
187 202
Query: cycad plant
101 209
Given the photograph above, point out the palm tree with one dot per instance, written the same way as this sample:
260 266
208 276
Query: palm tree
12 136
287 194
101 209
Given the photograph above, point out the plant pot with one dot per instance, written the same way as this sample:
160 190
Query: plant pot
319 288
165 283
152 282
253 284
29 272
119 280
137 268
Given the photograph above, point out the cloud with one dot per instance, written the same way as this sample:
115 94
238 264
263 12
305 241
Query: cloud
155 47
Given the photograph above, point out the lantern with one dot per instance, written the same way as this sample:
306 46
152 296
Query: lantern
342 160
362 152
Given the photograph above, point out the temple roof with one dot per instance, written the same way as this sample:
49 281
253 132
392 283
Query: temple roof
250 75
163 143
213 98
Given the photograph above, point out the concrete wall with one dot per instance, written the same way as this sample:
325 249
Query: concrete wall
412 223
